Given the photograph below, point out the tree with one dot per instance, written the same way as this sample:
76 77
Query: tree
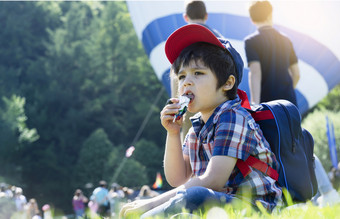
24 32
86 70
149 155
331 101
133 174
14 136
93 159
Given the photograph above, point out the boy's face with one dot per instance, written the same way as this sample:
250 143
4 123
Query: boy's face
200 83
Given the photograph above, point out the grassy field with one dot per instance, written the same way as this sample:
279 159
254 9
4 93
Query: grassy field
240 210
299 211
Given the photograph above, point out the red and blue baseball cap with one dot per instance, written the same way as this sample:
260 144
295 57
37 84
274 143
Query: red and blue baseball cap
193 33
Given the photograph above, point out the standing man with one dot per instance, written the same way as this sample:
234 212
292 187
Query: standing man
195 13
274 71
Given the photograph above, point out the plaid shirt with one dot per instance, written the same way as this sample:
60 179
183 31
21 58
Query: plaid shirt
231 131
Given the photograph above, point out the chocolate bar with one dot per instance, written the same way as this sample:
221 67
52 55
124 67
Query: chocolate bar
184 102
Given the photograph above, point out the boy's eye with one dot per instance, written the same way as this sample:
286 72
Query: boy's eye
180 77
198 73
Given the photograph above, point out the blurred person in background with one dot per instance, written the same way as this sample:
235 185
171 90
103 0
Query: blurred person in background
20 200
78 203
100 198
32 208
116 195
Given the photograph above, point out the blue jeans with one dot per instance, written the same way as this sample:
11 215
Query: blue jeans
191 199
79 213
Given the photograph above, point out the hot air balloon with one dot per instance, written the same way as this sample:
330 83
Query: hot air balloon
312 26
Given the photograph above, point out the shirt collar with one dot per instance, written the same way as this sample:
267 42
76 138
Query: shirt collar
264 28
203 129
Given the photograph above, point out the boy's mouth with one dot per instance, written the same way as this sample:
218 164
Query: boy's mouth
190 95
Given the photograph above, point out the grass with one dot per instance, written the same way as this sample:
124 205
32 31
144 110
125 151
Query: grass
240 210
305 211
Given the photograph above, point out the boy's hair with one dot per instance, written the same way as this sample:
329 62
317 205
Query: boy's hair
260 10
195 9
217 59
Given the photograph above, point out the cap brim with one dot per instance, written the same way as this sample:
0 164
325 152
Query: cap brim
187 35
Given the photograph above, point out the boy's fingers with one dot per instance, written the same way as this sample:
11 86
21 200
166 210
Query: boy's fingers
168 102
166 112
172 101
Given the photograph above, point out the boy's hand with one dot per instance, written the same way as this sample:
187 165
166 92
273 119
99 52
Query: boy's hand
135 208
167 116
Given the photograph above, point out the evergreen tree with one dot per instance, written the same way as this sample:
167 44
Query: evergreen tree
93 159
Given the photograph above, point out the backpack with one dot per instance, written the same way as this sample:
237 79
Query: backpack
293 146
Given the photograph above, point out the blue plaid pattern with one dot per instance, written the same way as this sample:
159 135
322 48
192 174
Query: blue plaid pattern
231 131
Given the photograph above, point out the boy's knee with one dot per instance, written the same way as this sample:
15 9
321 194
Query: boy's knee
197 192
196 196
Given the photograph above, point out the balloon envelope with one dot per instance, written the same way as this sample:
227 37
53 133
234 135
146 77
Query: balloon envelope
312 26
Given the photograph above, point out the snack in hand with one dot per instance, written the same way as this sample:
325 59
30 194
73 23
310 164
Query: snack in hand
184 102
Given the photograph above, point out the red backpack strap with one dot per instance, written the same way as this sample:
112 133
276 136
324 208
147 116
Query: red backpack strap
262 115
243 167
244 99
257 164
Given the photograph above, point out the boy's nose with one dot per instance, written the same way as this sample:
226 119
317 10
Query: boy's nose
187 81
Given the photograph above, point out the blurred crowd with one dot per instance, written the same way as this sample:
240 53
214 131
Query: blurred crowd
14 205
103 200
106 201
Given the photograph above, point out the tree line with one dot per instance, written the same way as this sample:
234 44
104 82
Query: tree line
76 86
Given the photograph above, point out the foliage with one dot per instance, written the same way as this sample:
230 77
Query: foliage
24 31
83 73
134 174
315 123
92 158
14 116
151 157
331 101
14 136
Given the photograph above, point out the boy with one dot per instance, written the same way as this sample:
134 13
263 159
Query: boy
204 168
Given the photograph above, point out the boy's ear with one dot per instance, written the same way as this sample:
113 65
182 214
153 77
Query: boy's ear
230 83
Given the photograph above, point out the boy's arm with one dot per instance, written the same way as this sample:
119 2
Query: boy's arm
177 167
255 77
216 175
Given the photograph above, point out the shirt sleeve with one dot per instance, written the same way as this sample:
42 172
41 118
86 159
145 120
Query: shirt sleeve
234 136
251 52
